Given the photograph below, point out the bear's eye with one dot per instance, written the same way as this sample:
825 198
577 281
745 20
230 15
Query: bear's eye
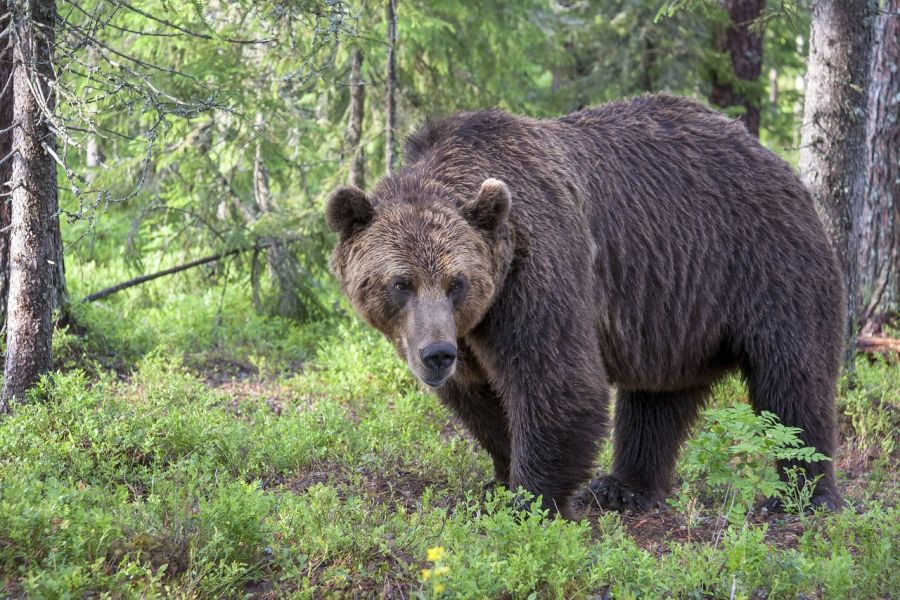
457 289
400 289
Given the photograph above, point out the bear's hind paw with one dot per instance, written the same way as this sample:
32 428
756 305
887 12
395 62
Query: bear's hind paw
609 493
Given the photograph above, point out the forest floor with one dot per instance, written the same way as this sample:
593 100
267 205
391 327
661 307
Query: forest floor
188 447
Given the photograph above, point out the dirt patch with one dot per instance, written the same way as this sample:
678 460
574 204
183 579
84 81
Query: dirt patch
331 474
393 484
219 369
659 530
269 392
401 486
866 473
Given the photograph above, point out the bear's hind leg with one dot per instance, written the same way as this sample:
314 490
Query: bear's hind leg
648 432
799 398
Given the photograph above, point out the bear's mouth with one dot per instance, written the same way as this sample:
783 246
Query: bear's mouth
435 382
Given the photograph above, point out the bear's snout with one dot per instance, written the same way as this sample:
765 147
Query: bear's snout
438 357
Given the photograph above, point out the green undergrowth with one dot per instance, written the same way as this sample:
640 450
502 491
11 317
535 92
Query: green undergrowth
316 468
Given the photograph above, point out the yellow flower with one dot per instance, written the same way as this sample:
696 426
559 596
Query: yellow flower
441 570
439 588
435 554
426 573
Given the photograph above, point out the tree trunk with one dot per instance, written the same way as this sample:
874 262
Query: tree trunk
6 120
92 156
391 102
357 173
36 281
745 48
832 149
879 256
283 265
648 62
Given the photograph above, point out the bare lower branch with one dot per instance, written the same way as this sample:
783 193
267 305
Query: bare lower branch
119 27
202 36
8 156
11 127
132 59
69 173
8 82
171 271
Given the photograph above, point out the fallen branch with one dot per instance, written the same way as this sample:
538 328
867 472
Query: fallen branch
171 271
878 345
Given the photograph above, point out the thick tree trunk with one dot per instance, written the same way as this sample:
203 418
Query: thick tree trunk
832 149
745 48
36 281
357 174
879 266
6 120
391 100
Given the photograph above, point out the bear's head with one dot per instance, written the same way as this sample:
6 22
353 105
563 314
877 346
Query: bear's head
424 273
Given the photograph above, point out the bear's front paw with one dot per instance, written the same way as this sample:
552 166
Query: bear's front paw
492 485
609 493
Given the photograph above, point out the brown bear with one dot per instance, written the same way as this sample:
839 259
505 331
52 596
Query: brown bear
523 266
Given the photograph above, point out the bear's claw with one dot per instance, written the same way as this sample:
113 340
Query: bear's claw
609 493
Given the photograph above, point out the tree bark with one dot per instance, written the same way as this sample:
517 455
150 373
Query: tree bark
36 283
6 124
283 265
832 149
357 172
745 48
879 256
391 101
648 62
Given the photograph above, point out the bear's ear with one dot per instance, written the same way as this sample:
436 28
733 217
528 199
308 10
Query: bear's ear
348 211
490 208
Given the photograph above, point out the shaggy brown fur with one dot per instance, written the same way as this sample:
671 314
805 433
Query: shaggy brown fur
649 243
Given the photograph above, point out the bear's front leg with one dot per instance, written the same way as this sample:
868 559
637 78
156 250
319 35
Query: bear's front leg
479 408
557 411
555 435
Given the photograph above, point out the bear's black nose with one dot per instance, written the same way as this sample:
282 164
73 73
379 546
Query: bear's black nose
439 356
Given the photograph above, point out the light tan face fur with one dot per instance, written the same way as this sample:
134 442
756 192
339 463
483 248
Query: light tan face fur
419 275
